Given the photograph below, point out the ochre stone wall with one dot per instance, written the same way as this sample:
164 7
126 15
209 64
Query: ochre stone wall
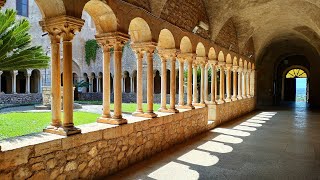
102 150
249 49
140 3
221 113
228 36
186 14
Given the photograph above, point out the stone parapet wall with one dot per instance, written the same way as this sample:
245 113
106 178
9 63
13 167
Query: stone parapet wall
101 150
33 98
221 113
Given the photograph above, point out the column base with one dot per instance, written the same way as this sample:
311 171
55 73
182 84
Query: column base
63 131
185 107
113 121
163 109
244 97
150 115
106 116
248 96
199 104
239 97
220 102
227 100
138 114
234 99
211 103
173 110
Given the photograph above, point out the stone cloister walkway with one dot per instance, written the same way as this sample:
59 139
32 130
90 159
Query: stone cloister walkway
278 143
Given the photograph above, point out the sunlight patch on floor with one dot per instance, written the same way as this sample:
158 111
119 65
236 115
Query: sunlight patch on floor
245 128
256 121
228 139
199 158
174 170
231 132
251 124
216 147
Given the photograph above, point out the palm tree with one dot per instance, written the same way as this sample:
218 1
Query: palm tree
16 51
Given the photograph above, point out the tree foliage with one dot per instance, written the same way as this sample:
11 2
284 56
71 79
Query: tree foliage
16 51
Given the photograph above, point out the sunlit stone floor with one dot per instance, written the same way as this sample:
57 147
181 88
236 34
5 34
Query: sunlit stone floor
275 143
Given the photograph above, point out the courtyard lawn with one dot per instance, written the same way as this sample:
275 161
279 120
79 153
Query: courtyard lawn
22 123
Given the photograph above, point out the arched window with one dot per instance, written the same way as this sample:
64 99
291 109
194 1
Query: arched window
296 73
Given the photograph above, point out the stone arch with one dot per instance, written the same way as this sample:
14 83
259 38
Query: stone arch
212 54
21 81
139 31
185 45
51 8
227 36
102 15
221 56
166 40
235 61
35 81
157 82
200 50
6 82
228 59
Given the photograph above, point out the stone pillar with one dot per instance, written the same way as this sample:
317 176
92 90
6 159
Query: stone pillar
181 82
123 84
0 80
189 87
150 84
248 83
221 94
239 83
195 100
139 110
14 81
117 116
213 82
253 83
234 71
206 83
28 81
40 84
172 108
90 83
228 70
163 85
131 84
98 84
202 83
244 83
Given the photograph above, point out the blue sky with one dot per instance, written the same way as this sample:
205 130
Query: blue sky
301 82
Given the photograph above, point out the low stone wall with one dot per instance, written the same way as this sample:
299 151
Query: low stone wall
33 98
221 113
100 150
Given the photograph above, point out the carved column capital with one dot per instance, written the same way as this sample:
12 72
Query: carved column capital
114 40
63 27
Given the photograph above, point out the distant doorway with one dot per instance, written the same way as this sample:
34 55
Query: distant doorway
295 86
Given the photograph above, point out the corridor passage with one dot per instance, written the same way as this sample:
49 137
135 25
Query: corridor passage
277 143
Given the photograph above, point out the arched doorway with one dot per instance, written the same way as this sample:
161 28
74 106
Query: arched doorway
295 84
157 82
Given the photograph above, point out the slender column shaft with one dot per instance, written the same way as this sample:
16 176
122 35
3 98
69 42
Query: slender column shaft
139 56
0 81
216 84
98 84
173 84
131 84
14 82
106 83
239 85
90 82
202 89
55 84
189 88
67 85
253 83
248 84
234 96
40 84
213 83
181 83
206 83
244 84
28 83
117 82
195 84
163 84
228 84
150 84
221 96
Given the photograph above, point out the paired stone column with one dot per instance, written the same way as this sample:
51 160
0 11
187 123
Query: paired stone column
181 82
202 89
234 71
28 75
98 84
195 91
213 81
248 83
163 107
139 111
221 94
173 83
150 84
65 27
14 81
131 84
228 72
189 82
244 84
206 83
103 41
239 83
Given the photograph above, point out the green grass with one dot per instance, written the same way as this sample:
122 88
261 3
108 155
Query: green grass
20 123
